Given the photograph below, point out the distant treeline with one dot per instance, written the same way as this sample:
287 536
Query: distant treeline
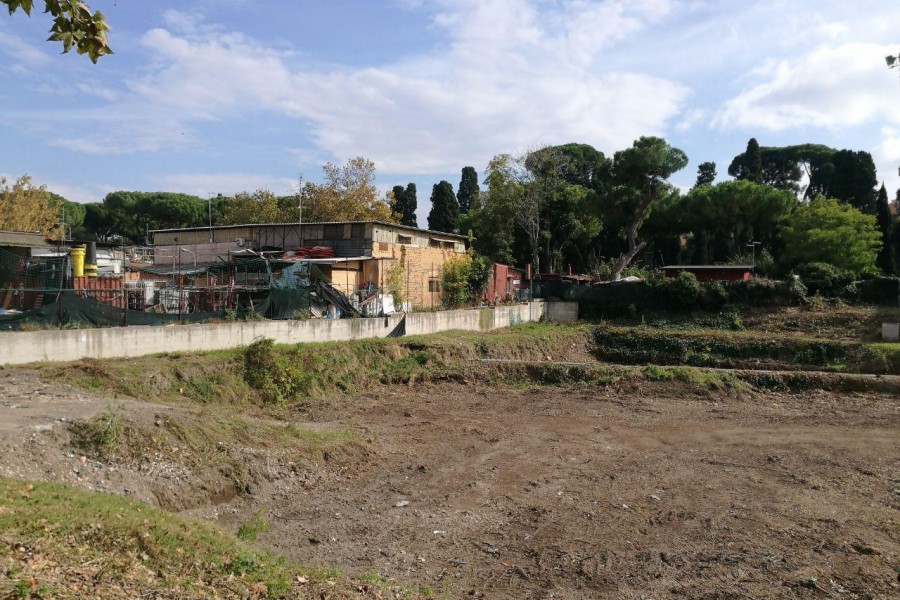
571 205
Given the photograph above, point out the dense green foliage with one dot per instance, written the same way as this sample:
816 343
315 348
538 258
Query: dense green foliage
444 215
404 203
749 165
464 279
824 230
131 214
887 262
706 174
724 218
467 194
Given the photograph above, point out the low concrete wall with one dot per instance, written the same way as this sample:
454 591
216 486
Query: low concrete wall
22 347
562 312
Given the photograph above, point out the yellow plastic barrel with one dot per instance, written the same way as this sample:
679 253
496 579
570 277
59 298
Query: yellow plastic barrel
78 261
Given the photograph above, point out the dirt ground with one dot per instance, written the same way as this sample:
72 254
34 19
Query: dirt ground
649 490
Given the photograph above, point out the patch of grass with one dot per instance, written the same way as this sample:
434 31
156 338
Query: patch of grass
66 542
655 373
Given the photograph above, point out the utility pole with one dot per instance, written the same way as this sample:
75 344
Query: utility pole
209 204
300 209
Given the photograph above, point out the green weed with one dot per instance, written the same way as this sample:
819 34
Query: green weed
250 530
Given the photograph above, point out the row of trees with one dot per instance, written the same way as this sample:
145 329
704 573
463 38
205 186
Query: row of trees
347 193
557 206
572 205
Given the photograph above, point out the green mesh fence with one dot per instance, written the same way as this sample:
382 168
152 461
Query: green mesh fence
41 293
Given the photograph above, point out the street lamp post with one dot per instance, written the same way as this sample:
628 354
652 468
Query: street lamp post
892 61
752 245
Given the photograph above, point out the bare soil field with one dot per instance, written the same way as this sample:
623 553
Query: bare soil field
628 490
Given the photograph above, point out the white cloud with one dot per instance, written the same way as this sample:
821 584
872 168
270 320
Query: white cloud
887 159
128 134
691 118
512 74
829 87
189 23
229 183
24 54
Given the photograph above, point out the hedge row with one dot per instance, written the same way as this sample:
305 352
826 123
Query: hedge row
684 293
643 346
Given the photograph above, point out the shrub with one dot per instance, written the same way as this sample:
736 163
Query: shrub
713 295
824 279
464 279
766 292
394 280
455 281
684 290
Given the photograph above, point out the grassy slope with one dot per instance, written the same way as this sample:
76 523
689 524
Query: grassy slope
57 541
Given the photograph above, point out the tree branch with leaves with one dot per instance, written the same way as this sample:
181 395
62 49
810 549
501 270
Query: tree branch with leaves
74 25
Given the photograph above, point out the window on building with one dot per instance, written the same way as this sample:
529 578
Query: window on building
404 239
357 231
434 243
434 285
334 232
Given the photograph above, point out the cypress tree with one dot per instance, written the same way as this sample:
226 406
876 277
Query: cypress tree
885 221
399 202
405 204
444 215
706 173
854 180
468 189
754 170
410 204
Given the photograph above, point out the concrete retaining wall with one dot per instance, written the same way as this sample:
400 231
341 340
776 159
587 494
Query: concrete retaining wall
62 345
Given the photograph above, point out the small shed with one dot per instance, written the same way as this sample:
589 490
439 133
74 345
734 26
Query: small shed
712 272
23 243
504 283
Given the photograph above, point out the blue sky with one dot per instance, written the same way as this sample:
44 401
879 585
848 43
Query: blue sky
221 96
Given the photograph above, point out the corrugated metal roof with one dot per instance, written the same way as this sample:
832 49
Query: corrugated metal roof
23 239
310 223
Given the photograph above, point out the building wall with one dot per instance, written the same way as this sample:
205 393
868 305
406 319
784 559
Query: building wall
504 283
422 268
22 347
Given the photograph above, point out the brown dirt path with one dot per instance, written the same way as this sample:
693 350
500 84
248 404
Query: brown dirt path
623 493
